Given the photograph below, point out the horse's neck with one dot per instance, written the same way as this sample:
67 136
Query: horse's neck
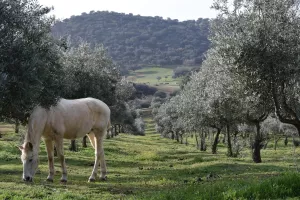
35 139
35 130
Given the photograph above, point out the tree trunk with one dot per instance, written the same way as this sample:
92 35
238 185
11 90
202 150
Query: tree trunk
84 145
172 135
224 138
256 157
73 145
281 106
181 139
116 130
177 136
286 141
266 145
298 129
276 142
202 142
55 151
216 140
197 143
112 131
229 146
17 126
275 145
186 141
122 129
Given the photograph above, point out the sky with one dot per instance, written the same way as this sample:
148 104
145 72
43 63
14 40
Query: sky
174 9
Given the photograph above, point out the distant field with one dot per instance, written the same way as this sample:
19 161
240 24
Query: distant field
149 76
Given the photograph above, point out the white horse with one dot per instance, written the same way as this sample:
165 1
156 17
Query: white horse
69 119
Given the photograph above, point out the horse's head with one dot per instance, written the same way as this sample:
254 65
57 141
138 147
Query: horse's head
30 161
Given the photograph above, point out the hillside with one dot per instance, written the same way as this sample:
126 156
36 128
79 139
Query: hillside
136 40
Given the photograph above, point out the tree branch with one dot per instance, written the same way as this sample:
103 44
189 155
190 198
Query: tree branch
278 108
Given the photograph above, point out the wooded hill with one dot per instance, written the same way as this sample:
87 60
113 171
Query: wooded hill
134 40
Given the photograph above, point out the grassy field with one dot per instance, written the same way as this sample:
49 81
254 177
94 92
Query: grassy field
149 76
151 167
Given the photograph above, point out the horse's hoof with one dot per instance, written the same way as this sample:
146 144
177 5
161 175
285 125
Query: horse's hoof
49 180
91 180
103 178
62 181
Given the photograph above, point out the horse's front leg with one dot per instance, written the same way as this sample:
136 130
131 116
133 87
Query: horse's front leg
60 154
50 150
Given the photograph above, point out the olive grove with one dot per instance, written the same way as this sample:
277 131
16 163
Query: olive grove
250 72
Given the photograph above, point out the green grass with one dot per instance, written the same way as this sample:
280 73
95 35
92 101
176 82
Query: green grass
151 167
149 76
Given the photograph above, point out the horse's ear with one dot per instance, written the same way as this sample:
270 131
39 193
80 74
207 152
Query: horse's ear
21 147
28 146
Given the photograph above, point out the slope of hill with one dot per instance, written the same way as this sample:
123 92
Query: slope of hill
136 40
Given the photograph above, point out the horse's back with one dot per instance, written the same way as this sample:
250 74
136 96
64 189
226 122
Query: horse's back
76 118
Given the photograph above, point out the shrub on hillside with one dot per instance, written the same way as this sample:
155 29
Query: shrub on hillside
124 71
145 104
157 100
160 94
141 103
134 68
174 93
143 90
180 71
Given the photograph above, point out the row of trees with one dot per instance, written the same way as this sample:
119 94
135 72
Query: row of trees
250 73
36 69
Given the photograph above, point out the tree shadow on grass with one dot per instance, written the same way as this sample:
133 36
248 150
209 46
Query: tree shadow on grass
145 180
146 72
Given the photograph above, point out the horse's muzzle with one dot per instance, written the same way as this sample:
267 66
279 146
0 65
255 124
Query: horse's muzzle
27 179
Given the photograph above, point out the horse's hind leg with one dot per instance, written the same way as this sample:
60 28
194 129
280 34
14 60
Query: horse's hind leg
60 154
99 157
102 159
91 136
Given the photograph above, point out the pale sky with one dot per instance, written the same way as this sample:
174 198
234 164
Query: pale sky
174 9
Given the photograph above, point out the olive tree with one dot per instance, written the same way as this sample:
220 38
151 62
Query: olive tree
164 122
257 111
210 99
30 69
261 39
89 72
120 111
